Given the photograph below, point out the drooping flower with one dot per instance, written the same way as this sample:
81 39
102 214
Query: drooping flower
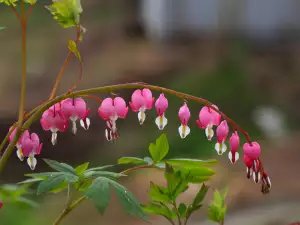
19 142
110 110
234 143
53 120
184 115
252 150
222 133
161 106
31 146
256 171
141 100
1 204
74 109
207 119
266 180
249 164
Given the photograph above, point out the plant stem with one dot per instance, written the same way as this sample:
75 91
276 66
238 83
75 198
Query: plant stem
72 206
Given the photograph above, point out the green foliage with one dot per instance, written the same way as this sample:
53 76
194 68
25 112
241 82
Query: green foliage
10 2
73 48
16 194
217 208
66 12
160 149
131 160
31 2
2 28
159 209
190 162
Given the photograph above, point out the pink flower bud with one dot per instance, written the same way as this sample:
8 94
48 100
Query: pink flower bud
141 100
252 150
161 106
234 142
222 131
249 164
74 109
184 115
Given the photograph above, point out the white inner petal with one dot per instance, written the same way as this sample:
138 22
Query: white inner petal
74 127
161 122
209 132
141 116
269 182
184 131
20 154
236 154
85 123
31 161
54 138
108 135
220 148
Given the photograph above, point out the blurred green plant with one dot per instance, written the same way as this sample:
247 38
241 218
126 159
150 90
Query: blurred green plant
217 208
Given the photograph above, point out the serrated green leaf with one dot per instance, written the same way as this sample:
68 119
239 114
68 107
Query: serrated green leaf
10 2
160 149
159 194
31 2
99 193
189 163
81 168
66 12
73 48
159 209
50 183
62 167
200 195
182 209
130 204
130 160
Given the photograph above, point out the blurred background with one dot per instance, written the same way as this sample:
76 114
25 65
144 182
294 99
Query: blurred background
242 55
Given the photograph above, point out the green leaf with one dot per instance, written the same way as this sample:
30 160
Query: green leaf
71 178
196 175
130 160
159 209
31 180
200 195
64 185
27 202
31 2
191 209
218 200
73 48
9 2
62 167
130 204
81 168
99 193
217 208
182 209
190 162
159 194
160 149
148 160
66 12
51 183
107 174
43 175
100 168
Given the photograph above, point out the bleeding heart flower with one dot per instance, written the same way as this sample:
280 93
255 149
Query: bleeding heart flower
110 110
30 147
141 100
207 119
234 143
1 204
161 106
75 109
184 115
222 133
249 164
266 180
19 142
252 150
53 120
